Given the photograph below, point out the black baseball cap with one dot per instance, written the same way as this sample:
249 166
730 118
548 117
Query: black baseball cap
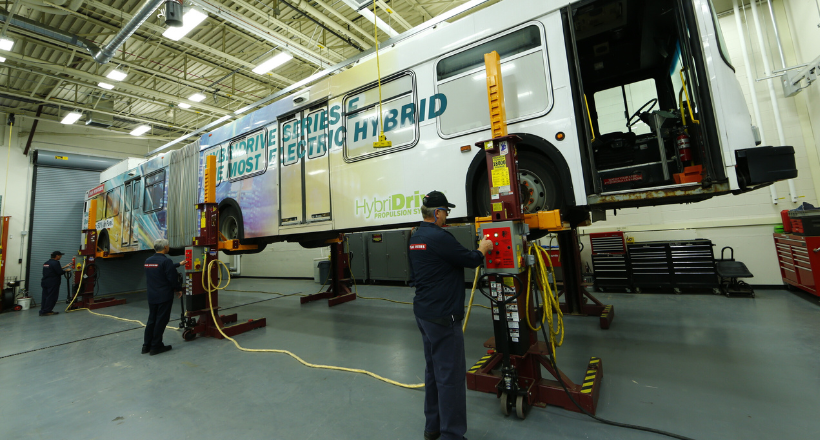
55 253
436 199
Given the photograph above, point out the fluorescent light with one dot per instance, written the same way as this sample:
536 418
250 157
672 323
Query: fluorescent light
2 59
224 118
71 118
190 19
6 43
368 14
197 97
140 130
116 75
272 63
106 86
184 105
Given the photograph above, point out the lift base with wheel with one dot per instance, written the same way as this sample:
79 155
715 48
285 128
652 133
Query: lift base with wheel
338 289
205 325
485 376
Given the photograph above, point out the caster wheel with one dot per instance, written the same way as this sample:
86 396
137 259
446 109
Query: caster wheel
628 290
716 291
637 290
18 307
676 290
506 404
188 335
520 407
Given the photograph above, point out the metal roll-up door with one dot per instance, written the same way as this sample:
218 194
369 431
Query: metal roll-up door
56 220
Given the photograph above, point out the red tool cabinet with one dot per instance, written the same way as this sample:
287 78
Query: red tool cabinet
799 260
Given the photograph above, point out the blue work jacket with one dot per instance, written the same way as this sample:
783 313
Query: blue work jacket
52 273
437 262
161 279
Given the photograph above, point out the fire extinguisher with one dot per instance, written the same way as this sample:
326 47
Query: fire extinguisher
684 148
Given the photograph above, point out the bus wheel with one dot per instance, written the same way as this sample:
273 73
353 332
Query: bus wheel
540 188
229 224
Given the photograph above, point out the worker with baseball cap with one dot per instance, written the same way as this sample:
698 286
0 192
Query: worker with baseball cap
437 262
52 277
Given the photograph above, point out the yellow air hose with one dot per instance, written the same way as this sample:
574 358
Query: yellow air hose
209 288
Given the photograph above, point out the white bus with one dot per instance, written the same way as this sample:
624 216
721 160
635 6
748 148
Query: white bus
619 103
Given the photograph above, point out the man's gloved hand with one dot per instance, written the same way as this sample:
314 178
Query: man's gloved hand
485 246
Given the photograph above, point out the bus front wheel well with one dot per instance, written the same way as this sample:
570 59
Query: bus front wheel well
544 174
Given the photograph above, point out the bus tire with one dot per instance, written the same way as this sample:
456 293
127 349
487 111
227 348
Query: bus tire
229 224
541 189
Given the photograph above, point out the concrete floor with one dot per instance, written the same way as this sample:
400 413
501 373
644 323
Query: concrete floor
703 366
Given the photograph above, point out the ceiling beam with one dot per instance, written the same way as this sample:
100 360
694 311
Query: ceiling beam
324 18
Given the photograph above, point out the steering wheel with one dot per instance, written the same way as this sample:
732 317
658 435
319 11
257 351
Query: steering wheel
648 106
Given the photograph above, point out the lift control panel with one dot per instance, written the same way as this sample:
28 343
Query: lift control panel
508 246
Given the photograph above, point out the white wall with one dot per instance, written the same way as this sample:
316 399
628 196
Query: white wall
746 222
19 170
282 260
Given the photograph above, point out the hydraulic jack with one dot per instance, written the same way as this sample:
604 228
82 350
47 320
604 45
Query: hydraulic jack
85 271
338 289
512 368
203 274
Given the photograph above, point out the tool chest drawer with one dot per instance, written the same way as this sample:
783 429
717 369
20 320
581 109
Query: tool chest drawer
675 265
610 261
797 257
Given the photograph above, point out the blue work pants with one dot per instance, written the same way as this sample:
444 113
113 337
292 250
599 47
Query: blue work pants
445 379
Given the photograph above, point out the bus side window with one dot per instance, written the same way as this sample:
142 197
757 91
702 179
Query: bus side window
154 192
399 118
248 156
112 202
462 79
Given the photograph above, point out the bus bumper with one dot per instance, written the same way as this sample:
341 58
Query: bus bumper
761 165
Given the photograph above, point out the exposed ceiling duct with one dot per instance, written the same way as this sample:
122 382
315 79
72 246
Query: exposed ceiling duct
104 54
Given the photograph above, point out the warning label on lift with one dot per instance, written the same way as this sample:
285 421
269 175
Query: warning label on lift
501 176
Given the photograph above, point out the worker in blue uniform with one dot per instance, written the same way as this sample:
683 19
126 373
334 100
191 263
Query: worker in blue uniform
437 262
52 277
162 282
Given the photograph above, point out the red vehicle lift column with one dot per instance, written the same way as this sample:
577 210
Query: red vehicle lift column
84 269
338 286
512 369
198 257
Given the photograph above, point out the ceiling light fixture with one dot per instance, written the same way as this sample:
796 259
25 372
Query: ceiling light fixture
106 86
184 105
272 63
190 19
139 131
197 97
6 43
71 118
116 75
2 59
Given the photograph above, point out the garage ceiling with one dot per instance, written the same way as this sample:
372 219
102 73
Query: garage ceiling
43 73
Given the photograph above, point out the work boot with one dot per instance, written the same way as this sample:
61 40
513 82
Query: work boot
431 435
146 349
162 349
